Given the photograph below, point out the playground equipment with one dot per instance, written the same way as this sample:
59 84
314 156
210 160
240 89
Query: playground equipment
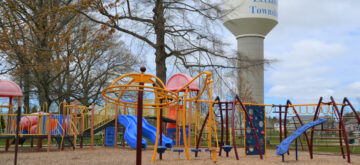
149 132
227 148
137 84
30 123
11 90
190 99
175 83
140 83
178 104
63 127
283 147
327 109
252 127
130 131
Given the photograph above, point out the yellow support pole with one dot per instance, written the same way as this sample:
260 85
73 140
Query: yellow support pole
210 116
196 120
158 123
216 137
75 120
183 125
177 116
214 155
106 105
214 122
157 133
189 120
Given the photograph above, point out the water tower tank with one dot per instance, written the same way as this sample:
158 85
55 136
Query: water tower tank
250 21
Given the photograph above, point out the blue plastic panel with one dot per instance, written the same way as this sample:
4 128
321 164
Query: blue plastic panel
171 133
257 113
109 136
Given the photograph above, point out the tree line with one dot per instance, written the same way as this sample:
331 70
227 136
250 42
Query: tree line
70 49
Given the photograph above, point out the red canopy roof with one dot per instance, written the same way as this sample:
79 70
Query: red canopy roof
9 89
178 80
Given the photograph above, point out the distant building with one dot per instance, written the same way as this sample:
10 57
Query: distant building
290 123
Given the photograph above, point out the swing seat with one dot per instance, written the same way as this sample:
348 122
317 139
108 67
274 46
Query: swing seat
227 148
161 149
195 150
178 150
207 150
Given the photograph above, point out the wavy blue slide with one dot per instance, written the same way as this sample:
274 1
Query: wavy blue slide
149 132
130 131
283 147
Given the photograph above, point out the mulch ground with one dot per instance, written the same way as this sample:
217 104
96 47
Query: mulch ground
127 156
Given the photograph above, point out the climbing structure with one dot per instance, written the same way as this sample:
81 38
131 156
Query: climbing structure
252 132
128 86
338 115
319 135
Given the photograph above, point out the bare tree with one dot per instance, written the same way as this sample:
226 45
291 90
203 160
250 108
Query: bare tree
173 28
33 32
55 54
98 59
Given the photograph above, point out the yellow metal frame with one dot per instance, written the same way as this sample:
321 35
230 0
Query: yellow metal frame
152 84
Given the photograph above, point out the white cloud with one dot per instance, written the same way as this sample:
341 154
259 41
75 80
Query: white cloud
319 13
351 90
325 20
305 72
316 43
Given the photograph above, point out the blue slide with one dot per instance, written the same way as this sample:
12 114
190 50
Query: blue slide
130 131
149 132
283 147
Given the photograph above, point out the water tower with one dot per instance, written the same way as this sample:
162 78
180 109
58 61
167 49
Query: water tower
250 21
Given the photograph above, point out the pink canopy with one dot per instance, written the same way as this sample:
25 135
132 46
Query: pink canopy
178 80
9 89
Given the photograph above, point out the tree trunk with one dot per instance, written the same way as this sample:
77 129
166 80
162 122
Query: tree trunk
68 81
159 24
161 68
27 90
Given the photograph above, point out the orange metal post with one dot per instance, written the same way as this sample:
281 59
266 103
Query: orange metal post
82 131
116 121
49 133
7 145
70 118
214 155
17 130
197 109
63 123
75 122
189 125
92 126
123 137
177 125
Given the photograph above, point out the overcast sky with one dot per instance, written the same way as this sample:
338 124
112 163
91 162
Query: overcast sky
317 44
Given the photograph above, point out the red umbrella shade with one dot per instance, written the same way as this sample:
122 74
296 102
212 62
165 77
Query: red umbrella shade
9 89
178 80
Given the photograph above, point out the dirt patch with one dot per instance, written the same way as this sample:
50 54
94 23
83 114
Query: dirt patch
127 156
